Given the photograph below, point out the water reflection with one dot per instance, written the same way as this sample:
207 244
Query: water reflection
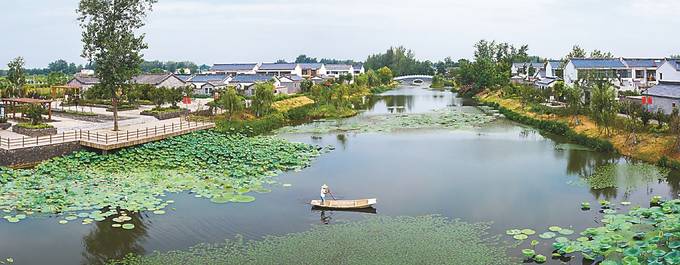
342 139
105 242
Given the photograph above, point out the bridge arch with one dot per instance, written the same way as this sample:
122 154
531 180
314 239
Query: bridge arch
414 77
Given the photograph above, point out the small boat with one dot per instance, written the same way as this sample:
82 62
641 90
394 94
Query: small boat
345 204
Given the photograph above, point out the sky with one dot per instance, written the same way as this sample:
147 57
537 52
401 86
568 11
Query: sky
223 31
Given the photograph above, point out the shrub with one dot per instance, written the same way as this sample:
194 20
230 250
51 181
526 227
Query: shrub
27 125
252 127
35 112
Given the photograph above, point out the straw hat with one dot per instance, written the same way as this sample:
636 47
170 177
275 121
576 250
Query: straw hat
324 186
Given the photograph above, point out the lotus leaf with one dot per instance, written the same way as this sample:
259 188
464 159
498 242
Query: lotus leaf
528 253
159 212
528 232
116 225
547 235
540 258
128 226
513 232
520 237
566 231
243 198
554 228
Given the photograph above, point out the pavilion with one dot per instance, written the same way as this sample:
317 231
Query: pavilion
47 104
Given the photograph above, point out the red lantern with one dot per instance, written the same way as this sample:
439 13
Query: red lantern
186 100
649 100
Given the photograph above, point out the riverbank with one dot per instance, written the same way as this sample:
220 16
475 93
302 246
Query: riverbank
650 147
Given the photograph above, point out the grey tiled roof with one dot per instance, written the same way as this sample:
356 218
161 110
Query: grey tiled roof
251 78
87 80
233 67
545 81
278 66
338 67
665 89
311 66
150 79
598 63
675 63
207 78
643 62
527 65
184 77
555 64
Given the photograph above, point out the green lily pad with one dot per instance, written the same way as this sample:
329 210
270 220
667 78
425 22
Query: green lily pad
159 212
243 198
547 235
128 226
528 232
520 237
554 228
565 231
116 225
528 253
540 258
63 222
513 232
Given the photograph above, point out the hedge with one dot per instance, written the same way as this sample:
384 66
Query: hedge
252 127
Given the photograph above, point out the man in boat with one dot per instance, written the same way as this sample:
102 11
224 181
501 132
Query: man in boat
324 190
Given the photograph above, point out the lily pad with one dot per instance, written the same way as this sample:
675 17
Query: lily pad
159 212
554 228
243 198
547 235
520 237
128 226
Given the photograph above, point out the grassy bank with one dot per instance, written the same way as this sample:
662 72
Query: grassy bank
650 147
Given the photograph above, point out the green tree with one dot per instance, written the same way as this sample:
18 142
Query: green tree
56 79
305 59
601 55
573 97
576 52
231 102
306 86
385 75
263 99
372 78
158 96
16 77
174 95
603 105
113 43
34 112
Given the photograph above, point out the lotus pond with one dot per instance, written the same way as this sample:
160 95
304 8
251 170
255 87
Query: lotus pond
512 188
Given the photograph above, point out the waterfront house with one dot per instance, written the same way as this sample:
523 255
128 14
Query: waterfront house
289 84
245 83
614 70
279 69
169 80
358 68
312 69
199 80
527 70
665 96
554 69
669 70
643 71
234 69
209 88
336 70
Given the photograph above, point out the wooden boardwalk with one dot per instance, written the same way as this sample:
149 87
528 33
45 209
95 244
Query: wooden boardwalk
107 141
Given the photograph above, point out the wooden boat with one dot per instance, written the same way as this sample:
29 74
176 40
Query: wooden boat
345 204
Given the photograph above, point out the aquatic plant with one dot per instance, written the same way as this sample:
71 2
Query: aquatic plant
375 240
211 165
641 236
450 118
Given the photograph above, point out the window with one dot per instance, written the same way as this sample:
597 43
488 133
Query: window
660 76
639 74
674 105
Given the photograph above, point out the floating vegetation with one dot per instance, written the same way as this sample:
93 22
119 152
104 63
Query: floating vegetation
642 236
376 240
627 176
208 164
572 147
450 118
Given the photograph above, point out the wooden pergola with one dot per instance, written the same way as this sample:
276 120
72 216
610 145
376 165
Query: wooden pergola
23 101
66 89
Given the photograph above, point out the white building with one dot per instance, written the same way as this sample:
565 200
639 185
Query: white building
313 69
523 70
336 70
279 69
614 70
669 70
554 69
289 84
168 80
245 83
234 69
358 68
199 80
643 71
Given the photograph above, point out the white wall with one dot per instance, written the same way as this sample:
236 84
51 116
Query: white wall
570 74
668 72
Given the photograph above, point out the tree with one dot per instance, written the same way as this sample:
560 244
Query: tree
158 96
304 59
401 61
306 86
603 105
601 55
674 128
57 79
231 102
576 52
16 76
112 42
372 78
385 75
661 118
174 95
264 97
573 97
35 112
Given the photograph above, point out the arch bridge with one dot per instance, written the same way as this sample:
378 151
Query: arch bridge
413 77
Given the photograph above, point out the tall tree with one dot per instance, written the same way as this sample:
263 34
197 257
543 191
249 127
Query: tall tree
263 99
16 76
576 52
305 59
601 55
231 102
112 42
603 105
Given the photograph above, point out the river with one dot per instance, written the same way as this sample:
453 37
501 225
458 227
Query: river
501 172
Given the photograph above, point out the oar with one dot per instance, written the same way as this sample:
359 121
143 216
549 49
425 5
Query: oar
329 192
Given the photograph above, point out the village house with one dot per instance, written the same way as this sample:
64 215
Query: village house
614 70
669 70
527 70
313 69
244 84
201 79
234 69
643 71
665 96
554 69
336 70
289 84
168 80
358 68
209 88
279 69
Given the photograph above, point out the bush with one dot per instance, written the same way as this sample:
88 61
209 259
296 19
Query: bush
668 163
158 110
27 125
34 112
252 127
3 119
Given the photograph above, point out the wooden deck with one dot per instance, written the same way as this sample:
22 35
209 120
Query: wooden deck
107 141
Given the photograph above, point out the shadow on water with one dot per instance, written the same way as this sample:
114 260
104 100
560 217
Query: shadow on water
105 242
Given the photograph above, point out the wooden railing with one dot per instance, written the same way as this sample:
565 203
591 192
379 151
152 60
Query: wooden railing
99 137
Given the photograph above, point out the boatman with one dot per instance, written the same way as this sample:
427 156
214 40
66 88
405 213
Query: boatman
324 191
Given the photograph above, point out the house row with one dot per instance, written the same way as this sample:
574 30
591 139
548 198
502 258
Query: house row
666 94
84 81
207 84
306 70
